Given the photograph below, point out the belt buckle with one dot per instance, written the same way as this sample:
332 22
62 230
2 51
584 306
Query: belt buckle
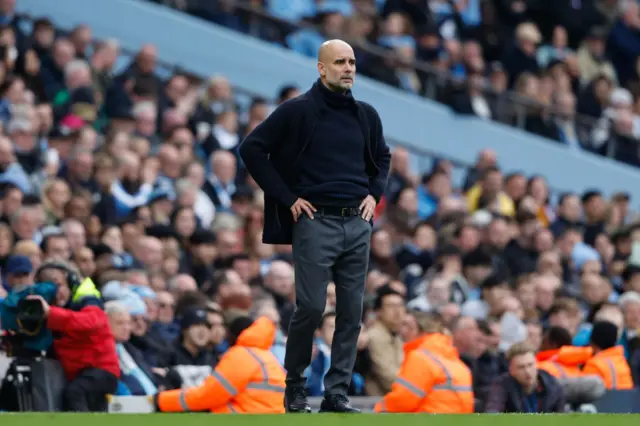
344 212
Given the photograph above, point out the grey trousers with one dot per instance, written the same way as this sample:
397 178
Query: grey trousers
328 248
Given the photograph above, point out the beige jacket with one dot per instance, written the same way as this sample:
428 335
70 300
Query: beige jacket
590 68
386 352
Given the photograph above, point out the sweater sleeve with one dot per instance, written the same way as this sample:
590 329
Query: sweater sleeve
257 146
382 158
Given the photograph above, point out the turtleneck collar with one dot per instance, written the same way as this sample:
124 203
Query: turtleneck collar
336 99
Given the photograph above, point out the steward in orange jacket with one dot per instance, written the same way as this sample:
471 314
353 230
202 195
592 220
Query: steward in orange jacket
432 379
608 362
564 362
248 378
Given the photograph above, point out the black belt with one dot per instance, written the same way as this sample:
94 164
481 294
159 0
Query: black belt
338 211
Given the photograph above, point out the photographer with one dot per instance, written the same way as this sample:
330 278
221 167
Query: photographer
83 341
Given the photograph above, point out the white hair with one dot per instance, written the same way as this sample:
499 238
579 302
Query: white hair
184 185
144 108
112 43
115 307
628 297
75 66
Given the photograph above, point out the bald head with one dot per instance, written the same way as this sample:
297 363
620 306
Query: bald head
328 49
337 65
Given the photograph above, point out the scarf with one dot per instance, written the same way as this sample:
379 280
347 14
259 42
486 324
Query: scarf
129 368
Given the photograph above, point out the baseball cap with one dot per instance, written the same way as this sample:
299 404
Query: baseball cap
193 316
18 264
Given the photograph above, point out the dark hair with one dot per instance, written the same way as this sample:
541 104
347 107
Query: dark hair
556 337
236 328
325 317
383 292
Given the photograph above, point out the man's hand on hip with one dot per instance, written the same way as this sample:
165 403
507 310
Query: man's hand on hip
302 206
367 207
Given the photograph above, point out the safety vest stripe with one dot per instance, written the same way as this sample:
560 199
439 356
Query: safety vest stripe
612 371
448 384
183 401
563 375
230 407
265 374
455 388
410 387
265 386
225 383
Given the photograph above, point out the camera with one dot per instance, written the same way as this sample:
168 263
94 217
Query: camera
30 316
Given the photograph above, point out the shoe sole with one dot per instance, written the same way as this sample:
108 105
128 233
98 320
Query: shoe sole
305 411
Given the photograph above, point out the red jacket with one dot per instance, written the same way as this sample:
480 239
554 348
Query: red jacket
83 338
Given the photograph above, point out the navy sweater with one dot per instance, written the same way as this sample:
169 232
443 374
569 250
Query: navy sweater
273 153
332 169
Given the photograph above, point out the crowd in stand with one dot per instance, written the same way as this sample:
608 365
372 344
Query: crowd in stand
134 181
565 70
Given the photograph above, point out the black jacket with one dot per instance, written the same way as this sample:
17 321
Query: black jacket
506 395
272 153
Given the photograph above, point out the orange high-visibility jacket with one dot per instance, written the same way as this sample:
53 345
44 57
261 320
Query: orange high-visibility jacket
611 365
248 379
432 379
564 362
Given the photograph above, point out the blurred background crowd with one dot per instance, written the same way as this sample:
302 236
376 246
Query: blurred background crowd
566 70
131 175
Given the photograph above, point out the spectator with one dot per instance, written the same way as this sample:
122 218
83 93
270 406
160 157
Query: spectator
384 336
608 361
525 389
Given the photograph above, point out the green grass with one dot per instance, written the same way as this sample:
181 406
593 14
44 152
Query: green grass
317 420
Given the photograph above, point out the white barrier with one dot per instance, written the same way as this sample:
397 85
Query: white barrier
143 404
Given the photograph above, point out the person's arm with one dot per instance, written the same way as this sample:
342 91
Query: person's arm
496 397
381 365
230 378
382 158
414 382
560 405
65 320
259 144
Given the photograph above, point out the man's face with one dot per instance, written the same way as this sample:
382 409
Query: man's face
327 330
85 261
391 312
338 67
198 335
492 184
216 330
121 326
58 247
523 369
59 278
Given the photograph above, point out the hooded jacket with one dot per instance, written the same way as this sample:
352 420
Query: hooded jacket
432 379
248 379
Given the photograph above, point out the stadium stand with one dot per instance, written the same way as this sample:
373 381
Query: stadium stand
126 169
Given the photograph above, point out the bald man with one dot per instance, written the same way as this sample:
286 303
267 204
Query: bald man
322 162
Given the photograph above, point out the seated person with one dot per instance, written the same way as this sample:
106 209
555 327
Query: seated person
248 379
192 359
136 377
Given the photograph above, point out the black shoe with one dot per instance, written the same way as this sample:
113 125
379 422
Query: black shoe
337 404
295 400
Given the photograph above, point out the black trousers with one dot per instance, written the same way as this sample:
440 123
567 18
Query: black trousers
328 248
88 391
